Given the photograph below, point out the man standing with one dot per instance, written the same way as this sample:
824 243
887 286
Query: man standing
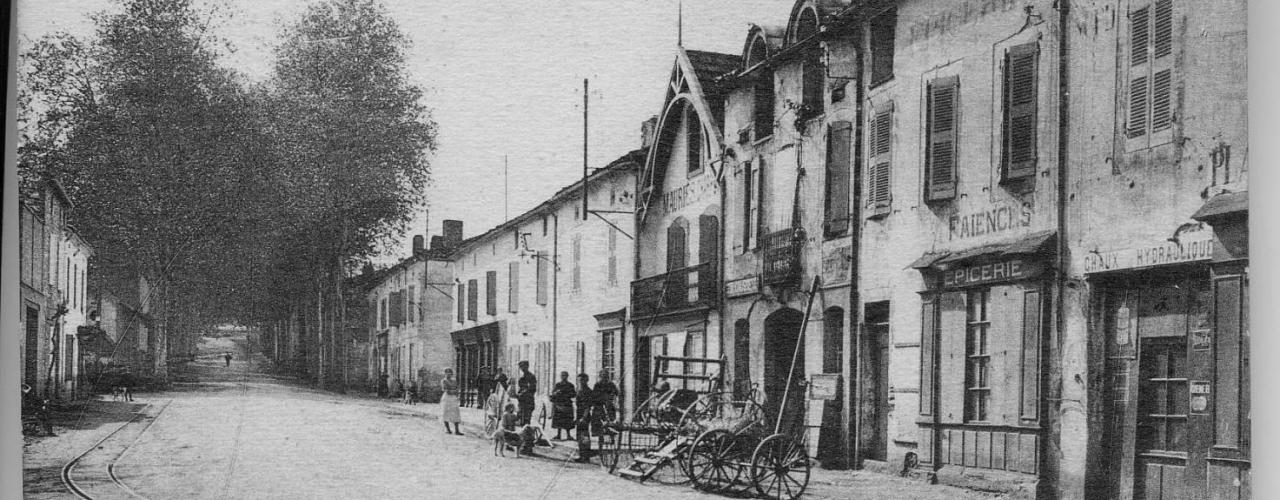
227 356
526 388
484 384
500 380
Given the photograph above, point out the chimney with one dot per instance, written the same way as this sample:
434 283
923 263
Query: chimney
452 233
417 244
437 242
647 131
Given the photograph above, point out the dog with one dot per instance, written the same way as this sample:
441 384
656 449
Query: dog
121 392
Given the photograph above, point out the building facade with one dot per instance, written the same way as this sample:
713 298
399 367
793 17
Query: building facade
548 286
675 299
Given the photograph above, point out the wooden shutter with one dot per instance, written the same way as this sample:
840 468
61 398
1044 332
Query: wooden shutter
491 293
397 308
837 198
1020 120
676 253
460 299
928 344
613 257
757 204
1138 106
575 281
940 160
542 278
513 286
1150 69
473 299
883 30
1031 322
951 336
879 167
708 238
1231 371
693 139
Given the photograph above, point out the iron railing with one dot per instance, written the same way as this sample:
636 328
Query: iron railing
687 288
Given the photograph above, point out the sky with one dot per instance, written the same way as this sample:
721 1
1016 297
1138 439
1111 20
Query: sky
503 78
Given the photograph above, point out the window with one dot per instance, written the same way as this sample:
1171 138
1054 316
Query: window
708 238
413 305
608 353
1150 70
396 303
695 346
812 78
677 257
575 278
462 307
541 259
762 110
513 287
473 300
580 352
750 205
491 293
1163 395
882 30
612 271
693 139
836 221
977 358
382 312
942 132
544 225
1020 121
879 170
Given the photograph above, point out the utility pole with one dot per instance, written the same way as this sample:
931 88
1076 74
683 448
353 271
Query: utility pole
585 103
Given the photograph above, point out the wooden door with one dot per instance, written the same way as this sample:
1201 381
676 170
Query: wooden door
873 393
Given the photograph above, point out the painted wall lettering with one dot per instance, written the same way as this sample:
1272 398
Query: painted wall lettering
963 13
999 219
1193 246
977 274
682 196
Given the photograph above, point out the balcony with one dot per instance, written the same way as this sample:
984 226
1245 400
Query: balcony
680 290
782 257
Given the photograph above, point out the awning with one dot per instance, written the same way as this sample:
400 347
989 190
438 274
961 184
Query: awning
1034 243
1222 205
95 340
490 332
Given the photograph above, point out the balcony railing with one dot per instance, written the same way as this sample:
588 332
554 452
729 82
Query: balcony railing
687 288
782 257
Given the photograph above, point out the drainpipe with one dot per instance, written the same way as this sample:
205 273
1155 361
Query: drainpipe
1052 446
555 294
851 419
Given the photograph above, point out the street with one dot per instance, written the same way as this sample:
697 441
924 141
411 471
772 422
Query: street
239 432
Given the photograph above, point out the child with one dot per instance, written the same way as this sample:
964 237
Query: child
521 437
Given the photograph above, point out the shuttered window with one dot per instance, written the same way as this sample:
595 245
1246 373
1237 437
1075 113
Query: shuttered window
473 300
708 238
836 220
883 29
513 287
1150 69
461 300
748 207
412 303
928 346
612 271
542 278
575 281
1020 113
491 293
677 256
397 308
942 130
879 166
763 105
812 79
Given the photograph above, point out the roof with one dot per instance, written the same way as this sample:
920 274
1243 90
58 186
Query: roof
709 66
1222 205
628 162
1029 244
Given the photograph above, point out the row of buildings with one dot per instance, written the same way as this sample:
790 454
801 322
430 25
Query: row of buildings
1013 234
80 329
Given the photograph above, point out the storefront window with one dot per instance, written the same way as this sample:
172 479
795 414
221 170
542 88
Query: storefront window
978 358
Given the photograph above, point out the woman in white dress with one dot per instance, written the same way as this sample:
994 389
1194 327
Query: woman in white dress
449 412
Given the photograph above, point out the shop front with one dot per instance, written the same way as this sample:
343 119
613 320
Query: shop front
474 348
1173 316
983 317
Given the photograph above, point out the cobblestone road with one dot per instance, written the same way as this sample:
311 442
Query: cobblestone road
236 432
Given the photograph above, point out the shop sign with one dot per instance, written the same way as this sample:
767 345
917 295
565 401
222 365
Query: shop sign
1009 269
743 286
688 194
836 264
1199 397
1192 247
997 219
824 386
1202 340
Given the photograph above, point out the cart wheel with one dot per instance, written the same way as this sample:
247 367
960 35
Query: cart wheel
676 471
542 417
780 468
608 448
714 461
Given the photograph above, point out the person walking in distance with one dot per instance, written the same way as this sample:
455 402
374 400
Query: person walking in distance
590 415
606 393
526 389
226 356
562 406
449 411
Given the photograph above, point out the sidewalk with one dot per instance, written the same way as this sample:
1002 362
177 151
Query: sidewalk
823 484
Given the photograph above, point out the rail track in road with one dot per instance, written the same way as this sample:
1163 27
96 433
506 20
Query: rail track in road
101 458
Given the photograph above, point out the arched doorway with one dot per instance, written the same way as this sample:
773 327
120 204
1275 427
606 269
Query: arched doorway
781 336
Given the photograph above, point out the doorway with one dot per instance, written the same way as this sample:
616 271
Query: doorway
873 390
781 337
32 347
831 438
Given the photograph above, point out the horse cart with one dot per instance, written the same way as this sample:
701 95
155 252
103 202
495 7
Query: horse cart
735 447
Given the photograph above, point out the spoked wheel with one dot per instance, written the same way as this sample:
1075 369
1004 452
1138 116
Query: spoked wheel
715 461
676 470
608 447
542 417
780 468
